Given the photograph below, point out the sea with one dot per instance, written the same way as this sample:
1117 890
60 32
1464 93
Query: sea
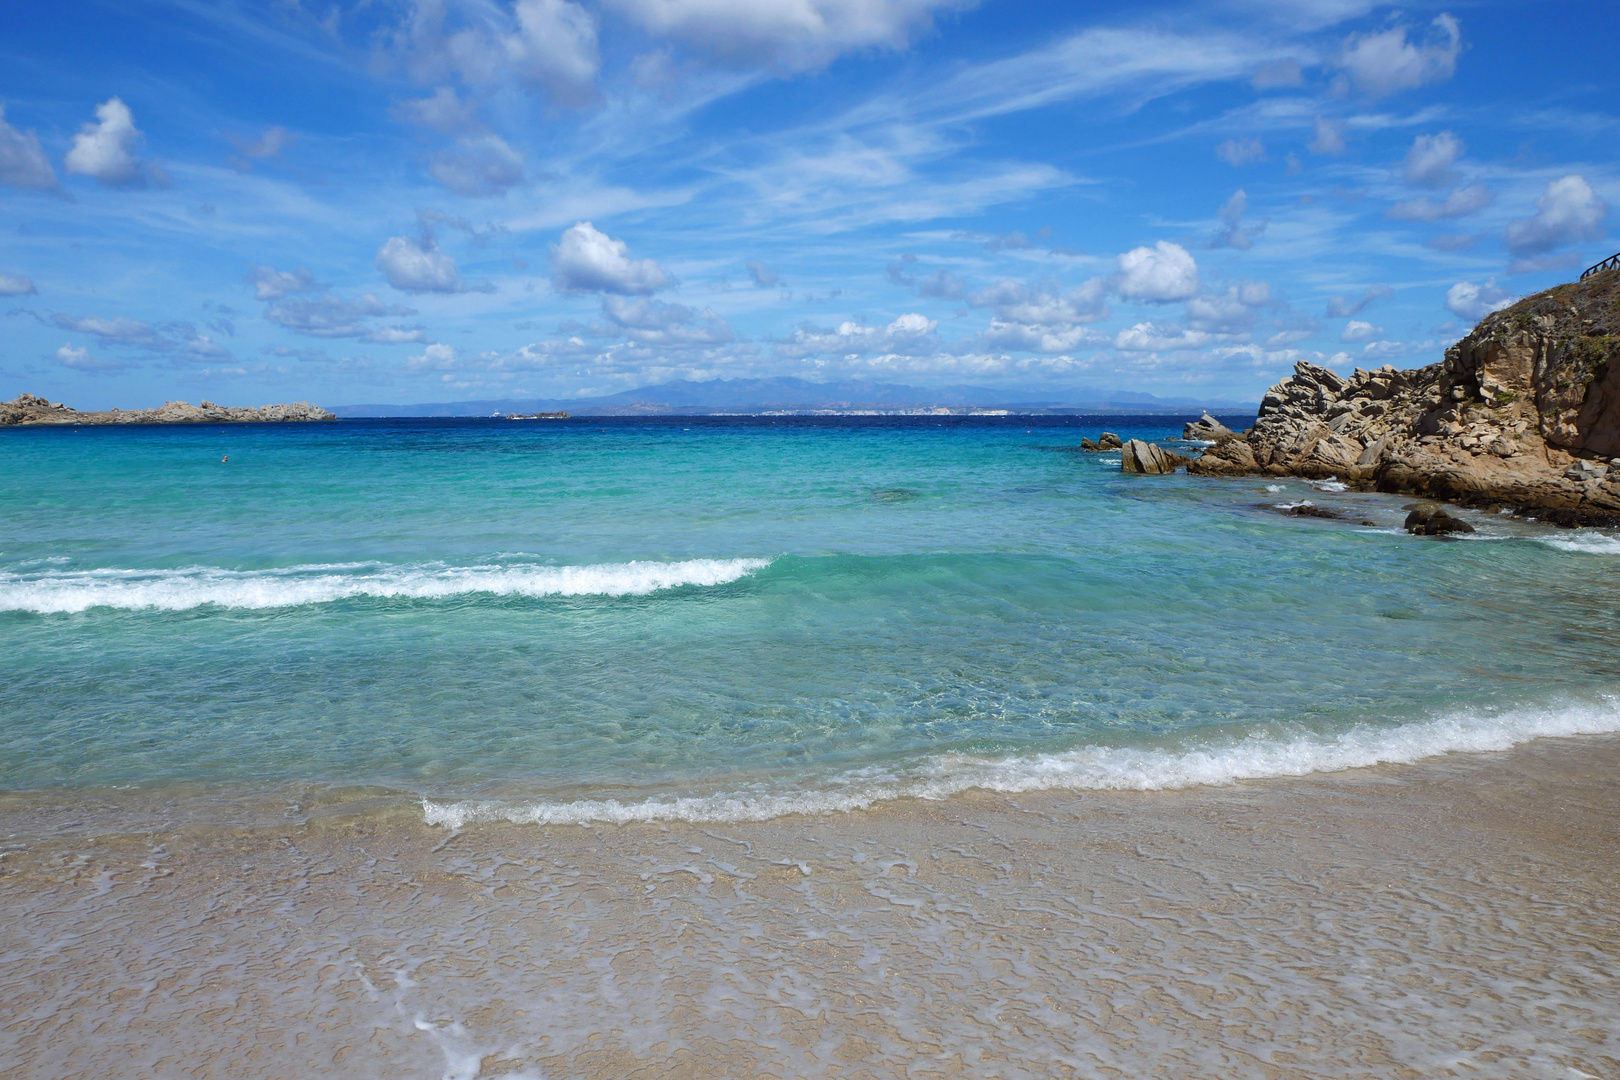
722 619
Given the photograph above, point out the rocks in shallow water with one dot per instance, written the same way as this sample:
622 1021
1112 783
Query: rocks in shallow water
1138 456
1310 511
1433 521
1205 429
1108 441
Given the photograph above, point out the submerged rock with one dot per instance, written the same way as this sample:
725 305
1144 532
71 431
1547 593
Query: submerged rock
1138 456
29 409
1433 521
1524 411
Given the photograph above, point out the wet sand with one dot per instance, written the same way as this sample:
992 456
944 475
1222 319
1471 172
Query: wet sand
1452 918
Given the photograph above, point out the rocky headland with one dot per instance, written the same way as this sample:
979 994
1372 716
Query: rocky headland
28 409
1523 413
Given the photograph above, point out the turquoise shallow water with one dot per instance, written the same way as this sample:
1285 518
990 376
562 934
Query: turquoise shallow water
733 618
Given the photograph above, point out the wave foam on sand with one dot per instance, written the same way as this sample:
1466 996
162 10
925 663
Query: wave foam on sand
1093 768
190 587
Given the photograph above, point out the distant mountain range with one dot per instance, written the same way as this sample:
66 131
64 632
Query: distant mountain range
791 395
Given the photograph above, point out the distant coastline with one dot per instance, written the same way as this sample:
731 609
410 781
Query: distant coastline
28 409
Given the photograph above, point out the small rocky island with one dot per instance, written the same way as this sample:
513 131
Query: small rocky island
28 409
1523 413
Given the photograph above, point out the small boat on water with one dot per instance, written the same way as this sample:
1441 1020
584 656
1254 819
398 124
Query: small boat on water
539 416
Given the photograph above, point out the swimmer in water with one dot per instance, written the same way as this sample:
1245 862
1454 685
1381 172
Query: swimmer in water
224 459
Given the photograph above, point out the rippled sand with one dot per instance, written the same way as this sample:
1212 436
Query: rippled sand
1454 918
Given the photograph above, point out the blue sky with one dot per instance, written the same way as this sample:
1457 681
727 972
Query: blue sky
439 200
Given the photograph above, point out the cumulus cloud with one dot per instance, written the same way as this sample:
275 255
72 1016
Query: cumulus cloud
1043 317
1428 163
432 358
271 284
1386 63
548 44
105 150
23 163
16 285
398 335
1231 312
1327 137
1159 274
1473 302
1567 212
909 334
653 322
1232 233
478 166
788 34
1241 151
1357 330
1151 337
445 112
585 259
762 275
418 266
1460 203
1342 307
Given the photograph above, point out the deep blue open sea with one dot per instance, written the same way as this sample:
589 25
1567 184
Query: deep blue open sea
729 618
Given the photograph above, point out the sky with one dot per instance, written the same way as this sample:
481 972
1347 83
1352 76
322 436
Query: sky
399 201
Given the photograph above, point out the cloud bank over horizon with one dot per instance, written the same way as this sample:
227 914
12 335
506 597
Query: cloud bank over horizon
454 199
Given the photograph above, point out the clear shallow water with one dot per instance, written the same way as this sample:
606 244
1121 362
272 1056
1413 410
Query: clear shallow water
737 618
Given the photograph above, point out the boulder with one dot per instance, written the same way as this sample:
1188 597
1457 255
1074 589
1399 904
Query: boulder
1433 521
1204 429
1138 456
1108 441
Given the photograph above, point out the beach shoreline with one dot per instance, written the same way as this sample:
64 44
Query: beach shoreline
1449 917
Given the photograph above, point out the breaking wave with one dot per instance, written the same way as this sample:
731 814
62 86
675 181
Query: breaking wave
190 587
1093 768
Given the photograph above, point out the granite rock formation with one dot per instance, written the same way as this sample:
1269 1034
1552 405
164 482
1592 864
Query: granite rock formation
28 409
1204 429
1524 412
1107 441
1138 456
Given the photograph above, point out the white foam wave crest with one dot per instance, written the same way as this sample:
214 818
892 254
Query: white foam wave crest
1587 543
190 587
1094 768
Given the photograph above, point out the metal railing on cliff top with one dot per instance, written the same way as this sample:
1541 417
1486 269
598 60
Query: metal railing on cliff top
1612 262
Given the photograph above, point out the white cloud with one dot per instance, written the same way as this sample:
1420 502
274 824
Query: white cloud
330 317
943 285
23 163
1231 312
654 322
106 149
479 166
272 284
1035 337
179 339
912 324
1459 203
445 112
1232 234
1469 301
1044 304
78 358
910 334
1241 151
398 335
549 44
587 260
1150 337
1386 63
1357 330
763 276
414 266
790 34
1158 274
1568 211
16 285
433 358
1428 163
1327 137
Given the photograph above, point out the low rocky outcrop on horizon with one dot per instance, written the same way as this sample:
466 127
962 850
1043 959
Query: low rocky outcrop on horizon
29 409
1523 412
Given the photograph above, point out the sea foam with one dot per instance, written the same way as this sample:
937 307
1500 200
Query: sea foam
1093 768
189 587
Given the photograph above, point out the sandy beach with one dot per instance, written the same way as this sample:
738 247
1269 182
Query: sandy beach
1450 918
